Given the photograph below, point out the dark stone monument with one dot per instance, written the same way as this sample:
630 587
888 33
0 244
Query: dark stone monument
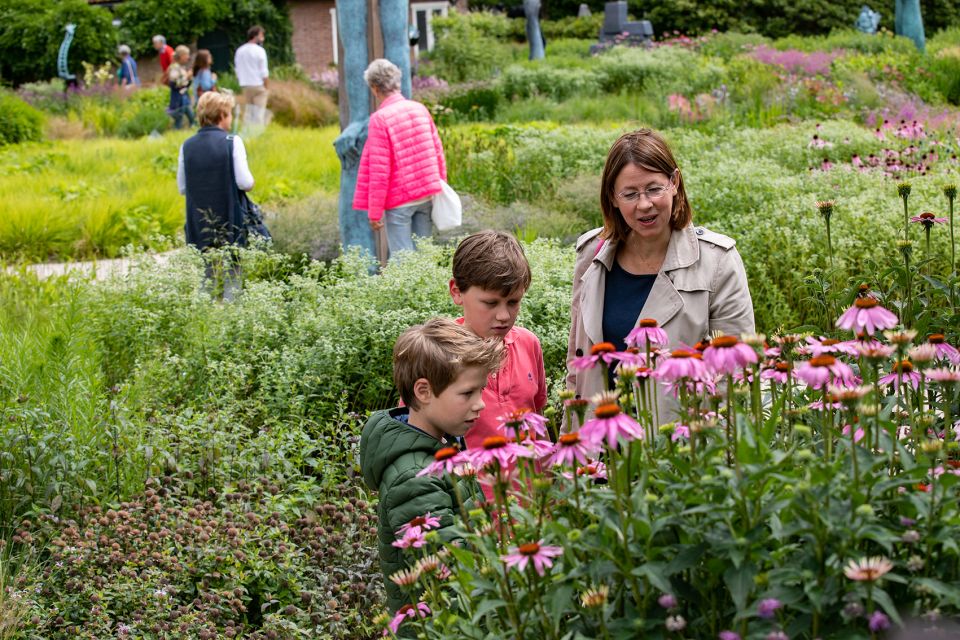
617 28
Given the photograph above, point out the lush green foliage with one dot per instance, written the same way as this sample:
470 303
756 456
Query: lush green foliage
89 198
19 122
188 20
31 32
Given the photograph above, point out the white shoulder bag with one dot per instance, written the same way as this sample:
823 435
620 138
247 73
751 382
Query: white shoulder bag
447 210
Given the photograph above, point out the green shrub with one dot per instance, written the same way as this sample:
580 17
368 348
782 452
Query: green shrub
144 112
467 47
19 122
31 32
536 80
587 28
472 102
946 73
729 44
295 103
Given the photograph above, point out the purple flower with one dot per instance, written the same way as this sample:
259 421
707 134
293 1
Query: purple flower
667 601
767 608
777 635
647 331
878 621
727 354
729 635
536 552
867 315
822 370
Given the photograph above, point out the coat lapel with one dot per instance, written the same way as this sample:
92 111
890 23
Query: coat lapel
664 301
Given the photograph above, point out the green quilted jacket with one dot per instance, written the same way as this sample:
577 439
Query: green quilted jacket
392 453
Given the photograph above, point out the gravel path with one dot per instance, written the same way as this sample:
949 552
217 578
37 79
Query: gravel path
99 269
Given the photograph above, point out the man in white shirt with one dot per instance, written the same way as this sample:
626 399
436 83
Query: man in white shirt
250 64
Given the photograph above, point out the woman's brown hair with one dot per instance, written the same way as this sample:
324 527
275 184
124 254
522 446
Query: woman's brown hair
202 61
647 149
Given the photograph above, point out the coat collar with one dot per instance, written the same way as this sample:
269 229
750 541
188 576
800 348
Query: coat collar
664 301
683 250
392 99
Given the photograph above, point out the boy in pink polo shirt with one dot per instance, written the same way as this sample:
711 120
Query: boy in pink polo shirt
490 277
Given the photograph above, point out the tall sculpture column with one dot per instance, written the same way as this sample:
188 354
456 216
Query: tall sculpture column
360 44
531 9
908 21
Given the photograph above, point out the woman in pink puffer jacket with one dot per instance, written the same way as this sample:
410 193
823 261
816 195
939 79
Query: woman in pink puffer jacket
402 165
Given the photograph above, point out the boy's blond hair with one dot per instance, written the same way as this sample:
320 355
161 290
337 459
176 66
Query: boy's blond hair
439 350
213 107
491 260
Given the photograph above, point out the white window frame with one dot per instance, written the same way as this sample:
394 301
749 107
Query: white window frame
429 7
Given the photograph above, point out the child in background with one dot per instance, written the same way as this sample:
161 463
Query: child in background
440 369
490 277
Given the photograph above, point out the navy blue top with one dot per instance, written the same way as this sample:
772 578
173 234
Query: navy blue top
624 295
213 215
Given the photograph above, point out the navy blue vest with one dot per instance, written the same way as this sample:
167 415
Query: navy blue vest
213 213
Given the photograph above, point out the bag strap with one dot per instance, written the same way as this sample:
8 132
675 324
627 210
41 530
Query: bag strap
599 246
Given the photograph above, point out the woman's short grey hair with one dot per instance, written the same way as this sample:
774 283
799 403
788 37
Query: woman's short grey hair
383 75
123 50
160 39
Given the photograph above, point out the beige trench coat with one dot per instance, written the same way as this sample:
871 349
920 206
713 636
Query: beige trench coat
701 288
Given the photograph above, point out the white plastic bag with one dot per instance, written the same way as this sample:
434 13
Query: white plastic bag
447 210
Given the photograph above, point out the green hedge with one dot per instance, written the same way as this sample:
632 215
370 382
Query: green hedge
31 32
19 122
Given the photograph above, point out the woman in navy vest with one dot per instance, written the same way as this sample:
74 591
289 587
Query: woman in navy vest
212 167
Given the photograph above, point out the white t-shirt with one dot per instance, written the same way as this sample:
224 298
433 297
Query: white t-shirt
250 64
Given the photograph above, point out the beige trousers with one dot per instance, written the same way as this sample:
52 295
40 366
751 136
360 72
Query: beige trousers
255 105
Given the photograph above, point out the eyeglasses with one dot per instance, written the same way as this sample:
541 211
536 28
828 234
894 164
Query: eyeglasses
653 194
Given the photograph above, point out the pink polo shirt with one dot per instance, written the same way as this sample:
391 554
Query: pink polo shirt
519 384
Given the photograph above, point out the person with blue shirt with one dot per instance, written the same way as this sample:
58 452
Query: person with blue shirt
203 78
127 73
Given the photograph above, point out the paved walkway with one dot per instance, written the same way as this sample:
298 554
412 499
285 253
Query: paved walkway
98 269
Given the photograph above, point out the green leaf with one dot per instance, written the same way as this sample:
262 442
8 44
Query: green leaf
739 581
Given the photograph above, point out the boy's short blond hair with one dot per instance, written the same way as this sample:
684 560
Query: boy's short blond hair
213 107
438 351
491 260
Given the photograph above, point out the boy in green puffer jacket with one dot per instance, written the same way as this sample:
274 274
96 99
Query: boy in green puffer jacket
440 369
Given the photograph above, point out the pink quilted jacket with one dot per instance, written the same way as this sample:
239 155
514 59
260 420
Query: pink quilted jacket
402 159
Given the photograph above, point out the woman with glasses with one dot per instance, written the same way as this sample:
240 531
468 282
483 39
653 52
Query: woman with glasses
648 262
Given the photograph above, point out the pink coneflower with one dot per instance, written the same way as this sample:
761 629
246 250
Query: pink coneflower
928 219
777 372
682 363
569 449
536 552
412 538
647 332
540 446
944 349
857 435
609 423
820 346
425 522
405 577
629 358
726 354
821 370
680 431
867 315
874 350
523 420
728 635
597 471
867 569
848 395
901 372
404 612
943 375
600 350
499 449
445 460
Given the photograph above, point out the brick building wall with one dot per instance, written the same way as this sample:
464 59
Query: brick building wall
313 44
312 33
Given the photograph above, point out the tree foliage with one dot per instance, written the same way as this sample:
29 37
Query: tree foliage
184 21
31 32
